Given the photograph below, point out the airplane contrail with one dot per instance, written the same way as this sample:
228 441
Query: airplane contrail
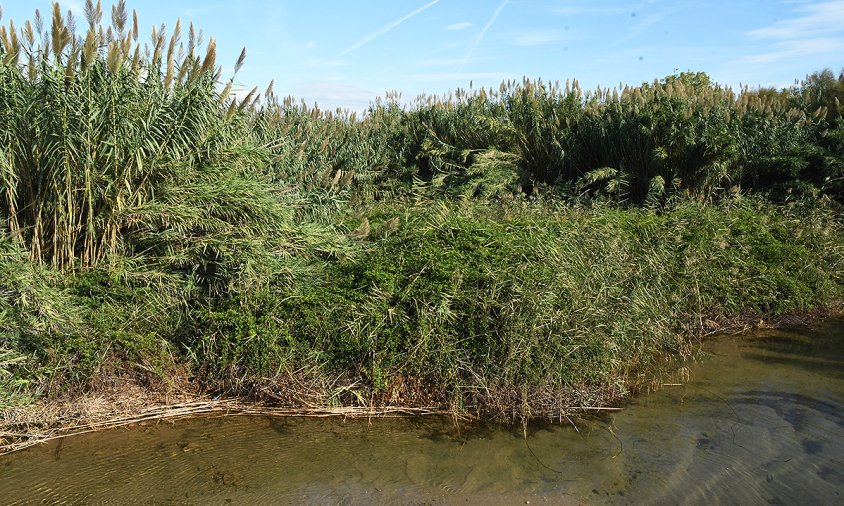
382 31
483 32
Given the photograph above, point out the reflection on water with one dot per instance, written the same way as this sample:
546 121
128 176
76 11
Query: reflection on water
759 422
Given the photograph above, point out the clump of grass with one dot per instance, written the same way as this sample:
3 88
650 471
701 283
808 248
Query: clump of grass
12 390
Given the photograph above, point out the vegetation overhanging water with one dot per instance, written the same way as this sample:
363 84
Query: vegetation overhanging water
511 253
757 420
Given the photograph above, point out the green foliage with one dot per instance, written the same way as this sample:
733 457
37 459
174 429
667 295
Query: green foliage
470 302
33 302
238 339
683 133
12 390
768 261
156 229
822 91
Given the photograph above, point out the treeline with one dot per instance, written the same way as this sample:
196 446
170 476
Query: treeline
157 230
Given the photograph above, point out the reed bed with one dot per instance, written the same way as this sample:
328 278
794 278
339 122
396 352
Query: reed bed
499 253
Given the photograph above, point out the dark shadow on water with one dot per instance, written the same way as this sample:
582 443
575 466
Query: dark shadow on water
819 350
830 475
831 366
447 430
812 447
280 425
791 407
443 429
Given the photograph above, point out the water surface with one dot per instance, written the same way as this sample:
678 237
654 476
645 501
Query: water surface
758 422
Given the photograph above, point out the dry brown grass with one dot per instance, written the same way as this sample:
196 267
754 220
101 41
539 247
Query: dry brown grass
119 405
129 404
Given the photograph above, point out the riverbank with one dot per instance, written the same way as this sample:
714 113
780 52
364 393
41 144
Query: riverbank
757 419
475 311
501 255
129 405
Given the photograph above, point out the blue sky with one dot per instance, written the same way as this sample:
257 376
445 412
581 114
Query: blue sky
343 53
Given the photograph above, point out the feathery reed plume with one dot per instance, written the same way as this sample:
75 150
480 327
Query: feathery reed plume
119 17
240 59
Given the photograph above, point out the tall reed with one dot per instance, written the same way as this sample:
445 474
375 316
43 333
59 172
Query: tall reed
116 148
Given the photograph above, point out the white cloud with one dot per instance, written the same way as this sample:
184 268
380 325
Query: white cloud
792 49
817 19
339 91
815 29
458 26
577 7
644 24
75 7
332 95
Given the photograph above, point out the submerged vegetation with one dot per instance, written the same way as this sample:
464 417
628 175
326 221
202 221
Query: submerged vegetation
513 252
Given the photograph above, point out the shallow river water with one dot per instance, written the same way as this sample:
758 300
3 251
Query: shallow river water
759 421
